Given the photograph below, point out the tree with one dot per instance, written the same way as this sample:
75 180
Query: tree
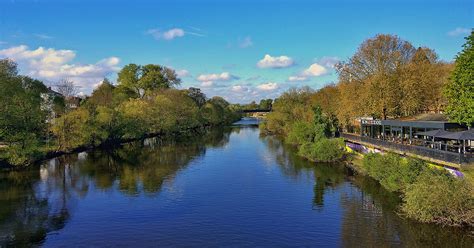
460 89
22 122
197 96
66 88
140 80
103 95
375 68
265 104
8 68
73 129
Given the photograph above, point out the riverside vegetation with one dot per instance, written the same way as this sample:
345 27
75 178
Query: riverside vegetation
36 121
387 78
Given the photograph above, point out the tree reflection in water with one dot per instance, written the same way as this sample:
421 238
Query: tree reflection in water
369 212
36 202
327 177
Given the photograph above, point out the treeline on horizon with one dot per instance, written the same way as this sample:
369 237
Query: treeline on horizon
35 120
387 78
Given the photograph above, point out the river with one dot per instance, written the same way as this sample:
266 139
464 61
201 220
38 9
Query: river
230 187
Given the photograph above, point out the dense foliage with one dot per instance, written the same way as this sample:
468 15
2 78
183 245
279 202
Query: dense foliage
440 198
460 89
143 103
429 194
386 78
305 125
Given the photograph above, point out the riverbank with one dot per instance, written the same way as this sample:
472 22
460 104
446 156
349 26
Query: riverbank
46 155
429 193
228 178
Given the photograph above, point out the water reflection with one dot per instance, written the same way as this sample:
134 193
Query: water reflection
235 185
39 201
370 213
326 177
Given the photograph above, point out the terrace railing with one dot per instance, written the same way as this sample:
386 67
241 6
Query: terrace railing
447 156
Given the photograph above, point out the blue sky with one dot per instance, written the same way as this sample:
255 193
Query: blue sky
218 46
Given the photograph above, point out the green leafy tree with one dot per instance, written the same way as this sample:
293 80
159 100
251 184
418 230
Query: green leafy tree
265 104
197 96
460 89
103 95
140 80
73 129
22 122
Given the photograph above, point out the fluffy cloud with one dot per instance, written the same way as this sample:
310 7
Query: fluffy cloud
268 86
320 68
275 62
459 31
51 65
166 35
315 70
208 80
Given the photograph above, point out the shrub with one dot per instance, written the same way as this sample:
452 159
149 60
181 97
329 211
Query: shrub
323 150
392 171
437 197
301 133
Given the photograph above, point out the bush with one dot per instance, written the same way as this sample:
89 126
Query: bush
323 150
437 197
301 133
392 171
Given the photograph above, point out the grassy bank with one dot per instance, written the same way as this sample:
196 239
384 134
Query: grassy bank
429 193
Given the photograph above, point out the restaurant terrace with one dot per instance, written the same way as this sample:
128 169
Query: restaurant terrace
438 140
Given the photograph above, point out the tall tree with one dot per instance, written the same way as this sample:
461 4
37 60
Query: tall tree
103 95
460 89
197 96
22 122
140 80
376 68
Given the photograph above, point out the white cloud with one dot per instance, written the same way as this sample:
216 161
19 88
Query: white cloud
315 70
183 73
268 86
225 76
246 42
239 88
171 34
459 31
297 79
51 65
166 35
275 62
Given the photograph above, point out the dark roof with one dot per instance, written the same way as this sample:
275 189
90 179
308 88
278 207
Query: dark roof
433 133
422 124
463 135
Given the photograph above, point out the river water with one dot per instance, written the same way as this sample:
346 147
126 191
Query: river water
230 187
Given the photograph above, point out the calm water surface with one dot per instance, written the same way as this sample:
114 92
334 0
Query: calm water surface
227 188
